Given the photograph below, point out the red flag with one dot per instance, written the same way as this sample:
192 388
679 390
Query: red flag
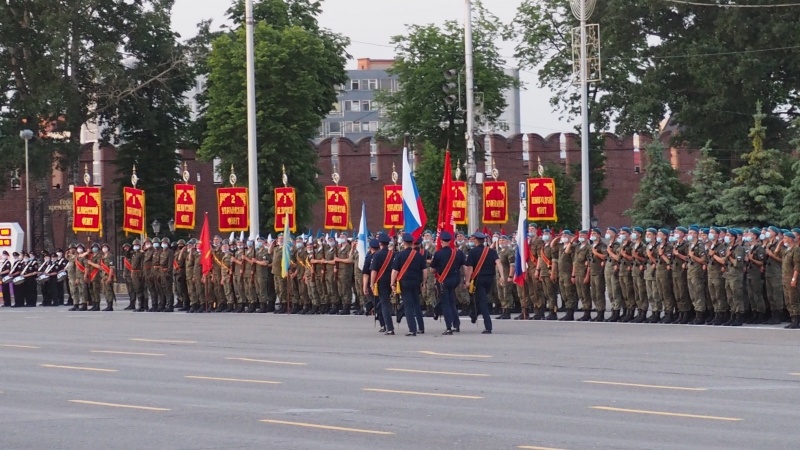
445 221
205 246
486 231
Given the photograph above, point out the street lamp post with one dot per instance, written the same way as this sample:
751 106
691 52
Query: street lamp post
171 225
156 226
27 135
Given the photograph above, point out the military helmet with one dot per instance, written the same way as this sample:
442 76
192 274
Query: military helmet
72 246
104 244
181 242
137 242
192 241
155 240
165 241
126 245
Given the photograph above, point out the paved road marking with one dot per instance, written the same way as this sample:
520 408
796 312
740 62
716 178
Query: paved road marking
797 374
533 447
18 346
266 361
325 427
427 352
662 413
91 369
432 372
428 394
117 405
652 386
194 377
162 341
111 352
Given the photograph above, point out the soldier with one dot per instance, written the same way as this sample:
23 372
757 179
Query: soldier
56 286
680 284
790 270
664 275
565 281
717 253
226 302
127 275
650 280
216 291
166 261
773 274
344 269
149 289
612 268
596 270
75 270
530 293
200 302
109 276
480 271
505 277
547 272
276 251
734 278
95 278
320 267
250 298
237 269
756 257
380 281
180 275
331 276
310 283
189 257
638 272
409 269
297 279
462 296
695 274
429 284
581 250
155 275
447 263
626 263
261 262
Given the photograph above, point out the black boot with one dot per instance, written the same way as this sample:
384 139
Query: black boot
429 311
667 318
131 305
710 317
720 318
737 320
795 323
600 317
539 314
730 320
551 316
506 314
345 310
74 308
685 319
587 315
641 316
758 318
570 316
521 316
83 308
655 317
776 319
108 308
699 318
614 316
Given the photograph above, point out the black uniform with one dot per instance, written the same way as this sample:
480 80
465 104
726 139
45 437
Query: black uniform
411 285
484 280
383 306
56 287
5 266
365 270
451 280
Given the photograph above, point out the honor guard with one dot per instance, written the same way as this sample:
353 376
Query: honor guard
446 265
408 271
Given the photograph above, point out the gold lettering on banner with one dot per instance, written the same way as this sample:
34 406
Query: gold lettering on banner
337 209
88 210
232 210
185 208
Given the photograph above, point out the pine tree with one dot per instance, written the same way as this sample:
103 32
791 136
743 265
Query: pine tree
758 192
659 192
702 204
567 207
791 212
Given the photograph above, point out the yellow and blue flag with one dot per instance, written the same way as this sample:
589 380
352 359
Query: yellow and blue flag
287 246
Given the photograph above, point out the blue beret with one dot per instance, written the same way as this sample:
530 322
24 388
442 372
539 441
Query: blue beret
567 232
407 237
383 238
774 229
682 230
546 230
638 229
504 237
652 230
795 230
717 229
583 232
596 230
784 230
445 236
479 235
704 230
373 243
723 230
614 230
625 229
664 230
533 224
694 228
789 235
419 240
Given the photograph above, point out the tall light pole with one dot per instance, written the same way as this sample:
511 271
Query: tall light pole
582 10
27 135
472 188
252 154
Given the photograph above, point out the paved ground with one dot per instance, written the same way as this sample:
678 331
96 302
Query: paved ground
225 381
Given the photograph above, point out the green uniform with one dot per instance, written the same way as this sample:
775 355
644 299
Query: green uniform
107 273
96 280
639 269
754 278
626 276
180 277
598 278
215 287
300 274
569 296
664 276
790 266
716 283
237 264
680 284
280 282
650 279
319 277
462 295
344 272
199 285
167 258
262 277
249 279
696 276
148 288
734 279
612 268
189 257
227 272
76 283
531 292
504 288
548 262
772 273
330 277
580 267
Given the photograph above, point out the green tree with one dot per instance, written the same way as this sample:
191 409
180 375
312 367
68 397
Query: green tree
567 207
298 67
703 204
150 123
659 192
420 107
791 213
758 190
690 61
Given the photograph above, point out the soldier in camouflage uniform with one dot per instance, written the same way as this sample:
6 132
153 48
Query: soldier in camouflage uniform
95 277
189 257
344 272
756 257
276 251
734 278
566 287
790 270
664 275
330 276
320 267
612 267
310 280
650 280
429 283
249 278
166 261
696 274
226 278
626 264
127 275
530 293
237 271
774 249
108 273
75 277
262 276
597 273
547 273
716 268
505 280
581 250
639 268
680 284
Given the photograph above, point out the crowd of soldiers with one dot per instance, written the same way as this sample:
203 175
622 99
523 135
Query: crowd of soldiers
694 275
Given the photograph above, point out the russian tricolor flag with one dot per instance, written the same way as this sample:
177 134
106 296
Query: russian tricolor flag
520 263
414 217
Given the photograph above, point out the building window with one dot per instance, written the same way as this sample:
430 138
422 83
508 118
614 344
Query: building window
352 105
370 85
198 177
351 127
335 154
369 127
366 105
354 85
217 166
373 160
97 166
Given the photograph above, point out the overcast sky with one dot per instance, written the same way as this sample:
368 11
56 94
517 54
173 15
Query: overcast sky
371 23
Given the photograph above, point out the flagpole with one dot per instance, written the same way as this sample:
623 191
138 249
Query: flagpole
252 154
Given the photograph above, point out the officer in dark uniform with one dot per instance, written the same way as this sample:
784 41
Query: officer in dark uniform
450 279
409 274
366 287
481 283
380 281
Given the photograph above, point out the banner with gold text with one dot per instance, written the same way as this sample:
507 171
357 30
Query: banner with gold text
495 202
133 214
185 206
392 206
87 210
232 208
285 206
337 208
542 199
459 191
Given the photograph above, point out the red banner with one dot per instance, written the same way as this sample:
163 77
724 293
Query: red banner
495 202
285 198
232 208
87 210
393 206
459 197
542 199
337 208
133 214
185 206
